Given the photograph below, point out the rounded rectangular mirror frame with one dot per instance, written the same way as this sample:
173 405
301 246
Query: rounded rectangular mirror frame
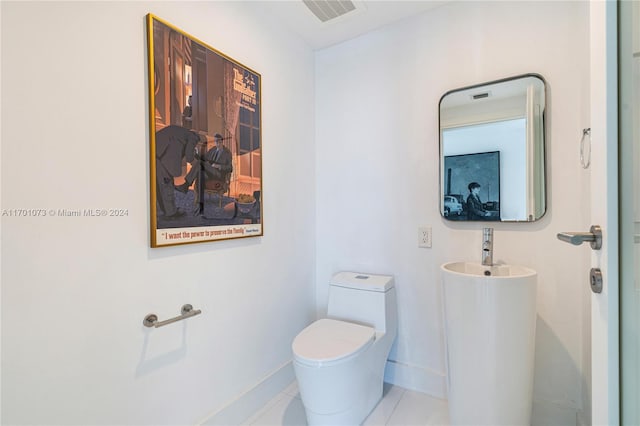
492 147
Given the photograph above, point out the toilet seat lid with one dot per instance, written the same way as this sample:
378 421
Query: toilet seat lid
329 340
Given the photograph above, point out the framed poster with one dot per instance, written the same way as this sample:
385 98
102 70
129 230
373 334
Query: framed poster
472 186
206 141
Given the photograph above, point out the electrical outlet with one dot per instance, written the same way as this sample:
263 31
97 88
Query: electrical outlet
424 236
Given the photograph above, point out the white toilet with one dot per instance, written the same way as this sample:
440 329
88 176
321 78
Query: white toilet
339 361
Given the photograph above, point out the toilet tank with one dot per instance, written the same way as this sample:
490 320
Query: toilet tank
366 299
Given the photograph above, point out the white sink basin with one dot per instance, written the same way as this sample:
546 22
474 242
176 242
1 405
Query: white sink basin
498 271
490 318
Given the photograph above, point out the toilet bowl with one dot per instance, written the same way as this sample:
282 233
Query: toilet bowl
339 360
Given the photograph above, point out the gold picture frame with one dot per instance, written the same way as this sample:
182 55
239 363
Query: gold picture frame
206 141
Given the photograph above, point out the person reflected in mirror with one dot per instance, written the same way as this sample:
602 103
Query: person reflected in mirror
475 211
216 164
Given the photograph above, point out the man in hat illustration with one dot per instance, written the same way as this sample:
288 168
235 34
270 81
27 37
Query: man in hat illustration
216 164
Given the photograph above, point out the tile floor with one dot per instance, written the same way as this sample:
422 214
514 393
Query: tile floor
398 407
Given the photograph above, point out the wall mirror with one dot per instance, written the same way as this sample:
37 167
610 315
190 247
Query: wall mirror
492 151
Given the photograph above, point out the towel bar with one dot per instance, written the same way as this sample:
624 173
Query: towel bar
187 311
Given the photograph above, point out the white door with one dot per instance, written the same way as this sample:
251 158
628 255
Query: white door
604 212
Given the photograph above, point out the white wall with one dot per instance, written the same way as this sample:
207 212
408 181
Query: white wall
377 175
75 290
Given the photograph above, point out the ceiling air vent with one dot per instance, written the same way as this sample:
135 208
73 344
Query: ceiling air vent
325 10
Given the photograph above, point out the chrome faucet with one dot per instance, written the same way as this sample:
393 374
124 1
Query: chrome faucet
487 246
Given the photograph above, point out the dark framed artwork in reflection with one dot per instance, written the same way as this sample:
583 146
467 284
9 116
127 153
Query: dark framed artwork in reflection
462 170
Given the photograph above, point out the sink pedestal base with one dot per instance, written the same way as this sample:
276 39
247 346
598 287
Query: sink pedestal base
490 340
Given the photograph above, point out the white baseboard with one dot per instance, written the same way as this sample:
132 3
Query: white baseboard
416 378
253 399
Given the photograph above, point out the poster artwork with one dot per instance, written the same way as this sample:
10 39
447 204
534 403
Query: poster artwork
206 144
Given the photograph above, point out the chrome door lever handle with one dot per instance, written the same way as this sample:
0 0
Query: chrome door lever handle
594 237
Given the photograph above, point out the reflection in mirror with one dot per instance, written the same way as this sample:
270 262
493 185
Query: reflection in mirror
492 151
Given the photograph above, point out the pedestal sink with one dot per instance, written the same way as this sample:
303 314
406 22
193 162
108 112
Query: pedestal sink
490 317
